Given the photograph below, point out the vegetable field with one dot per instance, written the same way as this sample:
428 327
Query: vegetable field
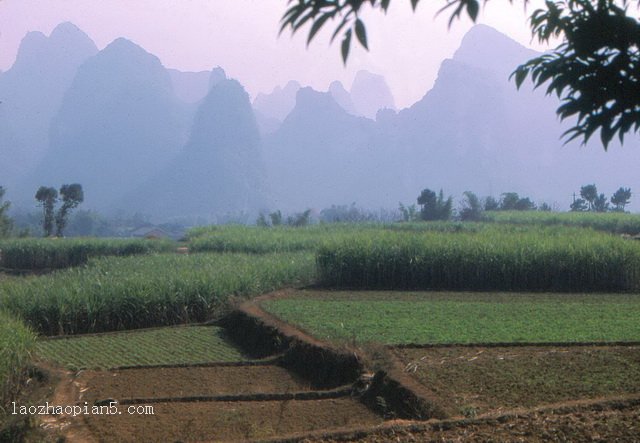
427 317
528 278
475 380
165 346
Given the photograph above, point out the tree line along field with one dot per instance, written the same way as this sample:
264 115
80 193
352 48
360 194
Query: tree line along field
116 285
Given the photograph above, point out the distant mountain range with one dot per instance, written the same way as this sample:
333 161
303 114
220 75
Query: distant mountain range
145 139
31 93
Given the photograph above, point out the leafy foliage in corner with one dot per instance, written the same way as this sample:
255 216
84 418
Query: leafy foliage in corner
595 71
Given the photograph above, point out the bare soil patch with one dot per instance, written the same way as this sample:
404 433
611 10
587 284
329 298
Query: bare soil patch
601 422
230 421
187 382
470 381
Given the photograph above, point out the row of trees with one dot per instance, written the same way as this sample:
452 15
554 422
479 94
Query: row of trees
592 201
434 206
70 195
430 206
333 214
276 219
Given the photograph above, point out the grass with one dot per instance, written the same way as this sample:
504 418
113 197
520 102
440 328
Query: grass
119 293
614 222
260 240
400 318
515 258
446 255
183 345
56 253
16 345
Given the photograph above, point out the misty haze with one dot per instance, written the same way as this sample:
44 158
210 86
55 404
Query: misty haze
168 145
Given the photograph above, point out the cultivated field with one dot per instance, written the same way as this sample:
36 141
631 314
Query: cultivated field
17 343
119 293
523 326
477 380
460 317
613 222
53 253
520 258
163 346
233 421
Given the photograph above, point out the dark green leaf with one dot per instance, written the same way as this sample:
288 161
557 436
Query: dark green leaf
361 33
472 9
520 74
339 28
317 25
302 21
346 45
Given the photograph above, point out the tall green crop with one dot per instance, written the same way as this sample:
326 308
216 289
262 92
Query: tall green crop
115 293
614 222
57 253
16 344
509 258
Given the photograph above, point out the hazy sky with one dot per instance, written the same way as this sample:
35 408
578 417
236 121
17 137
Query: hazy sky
242 37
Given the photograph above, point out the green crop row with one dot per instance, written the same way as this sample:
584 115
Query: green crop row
260 240
118 293
395 317
56 253
158 346
16 345
495 258
257 240
614 222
